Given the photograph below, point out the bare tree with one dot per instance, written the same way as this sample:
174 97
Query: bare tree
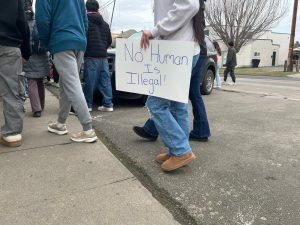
243 20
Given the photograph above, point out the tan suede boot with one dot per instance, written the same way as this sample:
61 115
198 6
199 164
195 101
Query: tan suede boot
162 157
175 162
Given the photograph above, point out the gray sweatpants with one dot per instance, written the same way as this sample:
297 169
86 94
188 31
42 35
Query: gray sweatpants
67 64
12 90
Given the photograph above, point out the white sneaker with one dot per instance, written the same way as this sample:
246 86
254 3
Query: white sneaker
85 136
105 109
55 128
12 140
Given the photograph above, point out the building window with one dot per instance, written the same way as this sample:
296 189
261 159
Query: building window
256 53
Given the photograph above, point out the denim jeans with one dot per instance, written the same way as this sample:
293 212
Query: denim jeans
200 123
218 78
97 77
171 120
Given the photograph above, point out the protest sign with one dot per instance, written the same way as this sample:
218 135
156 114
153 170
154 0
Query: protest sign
162 70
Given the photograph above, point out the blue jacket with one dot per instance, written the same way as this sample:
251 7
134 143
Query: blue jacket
62 24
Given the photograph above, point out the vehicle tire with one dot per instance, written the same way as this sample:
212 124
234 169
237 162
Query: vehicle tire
208 83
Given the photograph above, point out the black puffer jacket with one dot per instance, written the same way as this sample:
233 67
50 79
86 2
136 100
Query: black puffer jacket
98 37
14 30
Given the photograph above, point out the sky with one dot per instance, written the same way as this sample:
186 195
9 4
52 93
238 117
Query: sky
137 14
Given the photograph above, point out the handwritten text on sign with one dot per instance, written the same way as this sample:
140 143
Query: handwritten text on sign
163 70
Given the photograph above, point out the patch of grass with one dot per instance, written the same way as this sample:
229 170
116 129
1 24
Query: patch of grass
259 71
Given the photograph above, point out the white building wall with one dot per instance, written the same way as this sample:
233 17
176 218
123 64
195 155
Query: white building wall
265 45
281 39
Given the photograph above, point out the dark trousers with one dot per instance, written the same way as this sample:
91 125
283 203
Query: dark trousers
229 69
37 94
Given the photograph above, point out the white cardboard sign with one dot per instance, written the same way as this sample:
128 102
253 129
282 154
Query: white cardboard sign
163 70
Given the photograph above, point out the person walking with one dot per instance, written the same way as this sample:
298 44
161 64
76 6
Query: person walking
174 21
36 69
218 64
14 44
62 26
96 68
201 130
230 63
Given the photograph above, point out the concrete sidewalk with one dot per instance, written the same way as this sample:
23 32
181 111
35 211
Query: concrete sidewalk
51 180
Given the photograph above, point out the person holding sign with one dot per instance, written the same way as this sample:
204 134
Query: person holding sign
175 20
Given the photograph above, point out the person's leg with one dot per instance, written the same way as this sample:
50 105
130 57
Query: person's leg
218 78
90 74
34 95
150 128
104 84
226 74
41 88
67 64
55 75
200 123
173 136
12 90
232 74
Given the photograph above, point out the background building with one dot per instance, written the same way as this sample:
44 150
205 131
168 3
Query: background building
271 49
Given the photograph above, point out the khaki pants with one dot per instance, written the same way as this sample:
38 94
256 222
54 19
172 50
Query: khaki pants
12 90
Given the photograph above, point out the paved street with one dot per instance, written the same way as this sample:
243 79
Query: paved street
247 174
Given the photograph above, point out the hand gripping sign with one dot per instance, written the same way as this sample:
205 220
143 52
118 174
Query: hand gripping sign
162 70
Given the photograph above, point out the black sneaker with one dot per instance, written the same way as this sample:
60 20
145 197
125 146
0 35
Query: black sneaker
37 114
142 133
193 137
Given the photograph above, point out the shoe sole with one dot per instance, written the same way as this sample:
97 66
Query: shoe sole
10 144
105 110
187 161
86 140
57 131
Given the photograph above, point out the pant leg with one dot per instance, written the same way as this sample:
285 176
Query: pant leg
67 64
150 128
171 133
200 123
226 73
90 74
55 75
232 74
104 85
41 88
218 78
34 95
12 90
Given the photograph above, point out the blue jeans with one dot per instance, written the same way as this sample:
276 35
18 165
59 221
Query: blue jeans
97 77
200 123
171 120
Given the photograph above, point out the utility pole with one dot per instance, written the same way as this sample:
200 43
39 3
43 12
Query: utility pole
112 14
292 38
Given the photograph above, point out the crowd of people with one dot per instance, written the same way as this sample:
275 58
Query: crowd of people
70 33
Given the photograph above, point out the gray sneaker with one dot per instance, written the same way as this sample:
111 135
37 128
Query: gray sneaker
105 109
53 128
85 136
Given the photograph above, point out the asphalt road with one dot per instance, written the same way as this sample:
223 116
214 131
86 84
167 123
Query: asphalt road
248 172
